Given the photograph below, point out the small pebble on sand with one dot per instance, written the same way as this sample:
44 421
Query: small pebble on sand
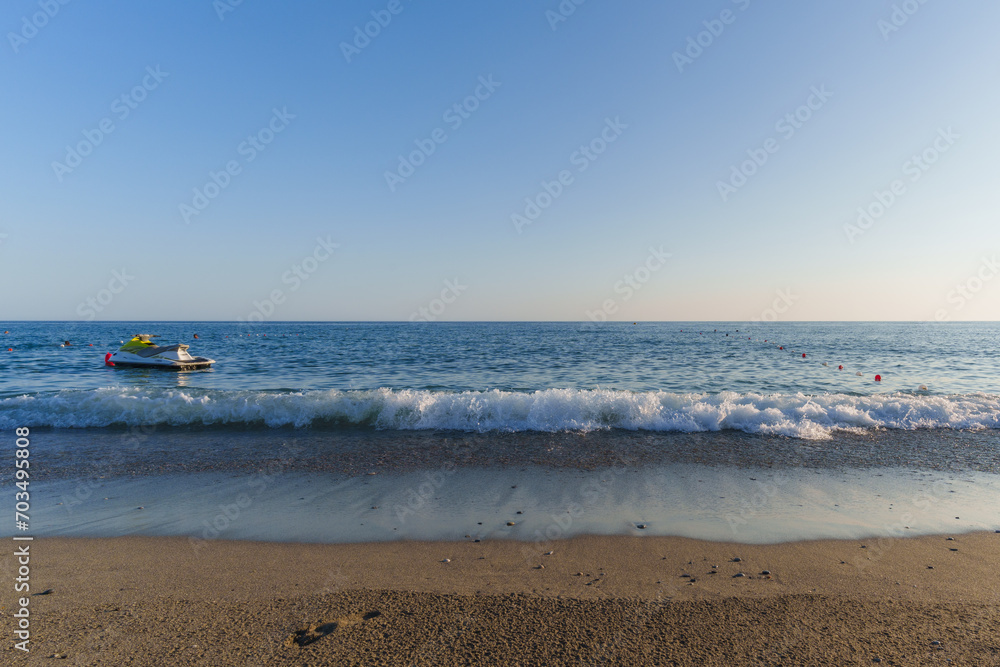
549 553
737 560
766 572
640 526
446 560
738 574
510 523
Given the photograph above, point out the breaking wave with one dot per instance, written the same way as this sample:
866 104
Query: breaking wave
794 415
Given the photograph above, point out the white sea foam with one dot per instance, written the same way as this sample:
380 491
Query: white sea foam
794 415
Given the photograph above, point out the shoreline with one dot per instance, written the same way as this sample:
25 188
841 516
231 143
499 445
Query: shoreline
719 503
638 600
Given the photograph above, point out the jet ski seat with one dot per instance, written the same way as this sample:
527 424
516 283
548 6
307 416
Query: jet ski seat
158 349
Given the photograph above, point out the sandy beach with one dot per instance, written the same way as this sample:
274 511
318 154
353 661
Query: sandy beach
592 600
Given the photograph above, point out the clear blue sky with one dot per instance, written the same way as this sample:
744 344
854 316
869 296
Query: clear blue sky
678 128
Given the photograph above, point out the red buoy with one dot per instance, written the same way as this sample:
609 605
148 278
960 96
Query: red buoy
803 355
781 347
10 349
878 378
840 368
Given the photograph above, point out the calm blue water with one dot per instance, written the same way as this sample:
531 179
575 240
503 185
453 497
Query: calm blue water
515 376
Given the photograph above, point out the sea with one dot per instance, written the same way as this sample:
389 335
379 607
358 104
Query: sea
367 431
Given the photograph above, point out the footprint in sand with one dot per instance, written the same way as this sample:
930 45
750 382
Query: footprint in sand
316 632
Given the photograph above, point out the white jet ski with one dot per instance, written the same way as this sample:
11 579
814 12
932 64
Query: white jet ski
142 352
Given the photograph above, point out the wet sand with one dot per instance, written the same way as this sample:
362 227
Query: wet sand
594 600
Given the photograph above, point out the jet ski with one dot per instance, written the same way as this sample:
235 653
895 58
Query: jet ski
144 353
